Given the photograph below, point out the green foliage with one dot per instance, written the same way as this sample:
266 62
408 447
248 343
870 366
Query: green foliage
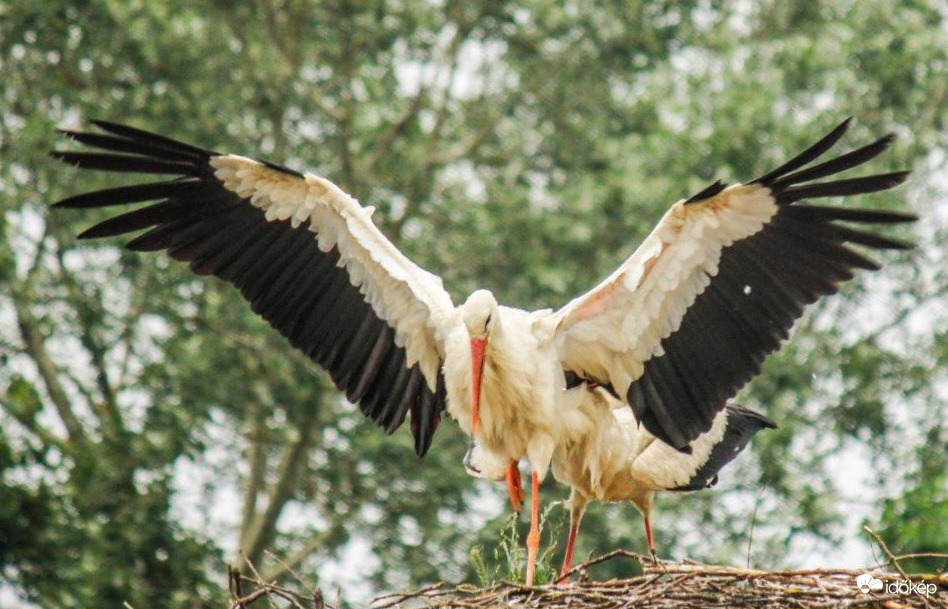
914 523
507 559
150 424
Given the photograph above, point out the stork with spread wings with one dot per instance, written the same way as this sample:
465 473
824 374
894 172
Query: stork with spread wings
676 331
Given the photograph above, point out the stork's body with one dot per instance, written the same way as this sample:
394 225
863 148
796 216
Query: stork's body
675 331
519 381
605 455
619 460
505 386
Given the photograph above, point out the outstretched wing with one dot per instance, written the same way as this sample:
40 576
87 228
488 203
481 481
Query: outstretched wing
305 255
688 319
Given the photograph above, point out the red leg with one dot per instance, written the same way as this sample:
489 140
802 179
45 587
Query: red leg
648 536
533 538
570 543
514 486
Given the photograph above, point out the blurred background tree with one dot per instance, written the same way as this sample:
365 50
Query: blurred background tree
150 425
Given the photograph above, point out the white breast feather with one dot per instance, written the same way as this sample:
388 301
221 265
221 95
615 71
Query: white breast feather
408 298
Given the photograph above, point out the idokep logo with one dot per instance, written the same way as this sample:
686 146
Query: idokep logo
867 582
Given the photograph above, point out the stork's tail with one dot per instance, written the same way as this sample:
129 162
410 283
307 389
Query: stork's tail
742 424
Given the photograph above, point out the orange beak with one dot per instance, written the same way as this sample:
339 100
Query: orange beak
478 347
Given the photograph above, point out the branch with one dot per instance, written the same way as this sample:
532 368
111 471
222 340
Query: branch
90 326
384 143
77 385
311 545
262 531
605 557
270 20
453 51
346 59
270 590
236 24
399 599
297 19
129 321
35 347
257 455
465 148
32 425
885 549
279 133
670 585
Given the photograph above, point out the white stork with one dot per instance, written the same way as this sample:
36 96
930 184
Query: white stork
608 456
678 329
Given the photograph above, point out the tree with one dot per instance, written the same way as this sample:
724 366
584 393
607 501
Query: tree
150 425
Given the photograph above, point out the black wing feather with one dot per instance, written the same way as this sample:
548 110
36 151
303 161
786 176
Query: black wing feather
707 193
299 289
133 194
761 287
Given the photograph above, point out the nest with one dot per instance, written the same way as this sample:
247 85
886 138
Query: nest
663 585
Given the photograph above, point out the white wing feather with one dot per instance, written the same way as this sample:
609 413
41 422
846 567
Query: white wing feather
611 331
411 300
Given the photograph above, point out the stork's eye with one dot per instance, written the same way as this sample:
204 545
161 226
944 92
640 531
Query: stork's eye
487 322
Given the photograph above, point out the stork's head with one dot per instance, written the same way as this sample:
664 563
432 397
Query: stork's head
479 313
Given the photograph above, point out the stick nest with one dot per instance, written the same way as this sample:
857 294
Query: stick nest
663 585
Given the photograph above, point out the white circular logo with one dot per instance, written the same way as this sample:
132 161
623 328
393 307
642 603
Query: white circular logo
867 582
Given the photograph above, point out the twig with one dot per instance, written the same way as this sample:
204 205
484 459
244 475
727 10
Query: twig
250 565
233 582
750 534
316 592
892 559
600 559
401 598
691 584
922 555
270 590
